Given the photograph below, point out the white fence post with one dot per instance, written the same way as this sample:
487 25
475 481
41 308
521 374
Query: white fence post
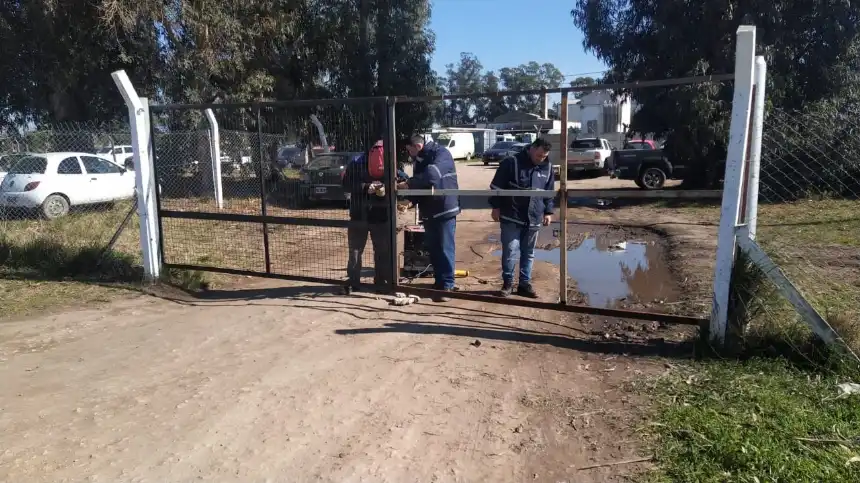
733 180
215 153
755 145
145 182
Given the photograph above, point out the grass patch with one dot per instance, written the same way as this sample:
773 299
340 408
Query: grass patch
754 421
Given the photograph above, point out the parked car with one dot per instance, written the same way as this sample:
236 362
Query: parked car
52 183
502 150
321 178
588 155
649 168
6 162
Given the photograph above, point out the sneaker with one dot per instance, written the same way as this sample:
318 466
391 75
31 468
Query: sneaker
507 289
527 291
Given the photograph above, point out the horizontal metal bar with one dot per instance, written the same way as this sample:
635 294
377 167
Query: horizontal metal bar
637 193
252 273
268 104
242 218
704 79
534 304
572 194
484 193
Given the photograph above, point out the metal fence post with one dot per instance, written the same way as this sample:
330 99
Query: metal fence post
733 180
262 171
215 153
562 209
144 179
755 148
391 181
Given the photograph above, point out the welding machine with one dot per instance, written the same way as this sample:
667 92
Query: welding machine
416 258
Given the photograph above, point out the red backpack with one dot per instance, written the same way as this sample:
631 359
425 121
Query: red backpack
376 161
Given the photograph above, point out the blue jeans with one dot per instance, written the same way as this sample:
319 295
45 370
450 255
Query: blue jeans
439 240
522 239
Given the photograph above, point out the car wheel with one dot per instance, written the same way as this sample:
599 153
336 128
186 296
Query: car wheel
652 178
486 163
468 156
639 183
55 206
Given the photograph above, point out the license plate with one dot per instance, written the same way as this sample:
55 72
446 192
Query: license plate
320 190
576 168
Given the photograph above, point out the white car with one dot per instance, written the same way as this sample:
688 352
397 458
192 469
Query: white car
54 182
6 162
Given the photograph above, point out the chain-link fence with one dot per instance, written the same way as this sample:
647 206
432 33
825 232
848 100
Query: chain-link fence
808 224
260 188
67 203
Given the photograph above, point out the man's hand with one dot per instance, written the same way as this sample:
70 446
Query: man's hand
403 185
495 214
547 219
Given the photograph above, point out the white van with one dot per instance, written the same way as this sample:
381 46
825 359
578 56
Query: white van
461 144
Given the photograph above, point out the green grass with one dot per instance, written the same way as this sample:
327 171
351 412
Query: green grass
756 421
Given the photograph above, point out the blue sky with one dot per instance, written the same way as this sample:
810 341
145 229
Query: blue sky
505 33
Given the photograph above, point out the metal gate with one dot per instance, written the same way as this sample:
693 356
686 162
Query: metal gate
256 189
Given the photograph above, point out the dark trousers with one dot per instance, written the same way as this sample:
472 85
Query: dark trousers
357 239
439 241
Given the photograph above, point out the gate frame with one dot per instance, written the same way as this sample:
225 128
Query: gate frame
743 76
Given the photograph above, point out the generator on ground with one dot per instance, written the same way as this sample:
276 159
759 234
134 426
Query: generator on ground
416 258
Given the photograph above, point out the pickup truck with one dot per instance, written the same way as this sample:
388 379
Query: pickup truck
649 168
588 154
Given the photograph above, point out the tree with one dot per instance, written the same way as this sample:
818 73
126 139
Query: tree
579 82
811 48
531 76
464 78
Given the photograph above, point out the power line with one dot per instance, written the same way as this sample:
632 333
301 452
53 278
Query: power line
585 73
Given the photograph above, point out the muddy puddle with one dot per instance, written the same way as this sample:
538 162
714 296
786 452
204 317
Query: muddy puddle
610 269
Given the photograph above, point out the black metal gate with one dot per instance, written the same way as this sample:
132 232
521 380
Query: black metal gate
256 189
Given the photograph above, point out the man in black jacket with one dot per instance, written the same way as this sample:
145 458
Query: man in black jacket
368 214
520 218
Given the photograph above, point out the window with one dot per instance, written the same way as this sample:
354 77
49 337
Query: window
95 165
327 162
452 144
128 150
8 160
504 145
69 166
585 144
30 165
591 126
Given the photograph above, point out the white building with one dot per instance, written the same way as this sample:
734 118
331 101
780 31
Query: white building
600 115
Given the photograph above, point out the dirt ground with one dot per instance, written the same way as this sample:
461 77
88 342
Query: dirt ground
277 381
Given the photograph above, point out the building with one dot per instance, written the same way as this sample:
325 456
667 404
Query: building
523 122
600 115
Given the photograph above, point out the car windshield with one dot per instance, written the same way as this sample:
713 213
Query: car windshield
326 162
503 145
585 144
30 165
443 139
637 145
290 152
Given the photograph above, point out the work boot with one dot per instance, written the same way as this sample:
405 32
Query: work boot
527 291
443 298
507 288
349 289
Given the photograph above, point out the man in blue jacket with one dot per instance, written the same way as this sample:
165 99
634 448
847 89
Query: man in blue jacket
521 217
434 168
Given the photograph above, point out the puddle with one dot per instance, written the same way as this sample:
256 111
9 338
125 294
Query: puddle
607 275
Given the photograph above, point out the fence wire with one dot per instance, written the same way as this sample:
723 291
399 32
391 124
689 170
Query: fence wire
67 203
808 223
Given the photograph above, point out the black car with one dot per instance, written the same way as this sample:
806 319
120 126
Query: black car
648 168
321 178
502 150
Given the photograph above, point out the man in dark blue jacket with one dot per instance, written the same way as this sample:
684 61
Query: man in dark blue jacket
434 168
521 217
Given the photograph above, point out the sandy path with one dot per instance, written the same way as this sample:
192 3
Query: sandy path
298 387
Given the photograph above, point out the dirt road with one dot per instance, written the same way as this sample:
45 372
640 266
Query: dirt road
278 382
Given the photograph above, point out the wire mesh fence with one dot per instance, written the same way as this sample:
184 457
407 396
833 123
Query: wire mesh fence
288 163
808 224
67 203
